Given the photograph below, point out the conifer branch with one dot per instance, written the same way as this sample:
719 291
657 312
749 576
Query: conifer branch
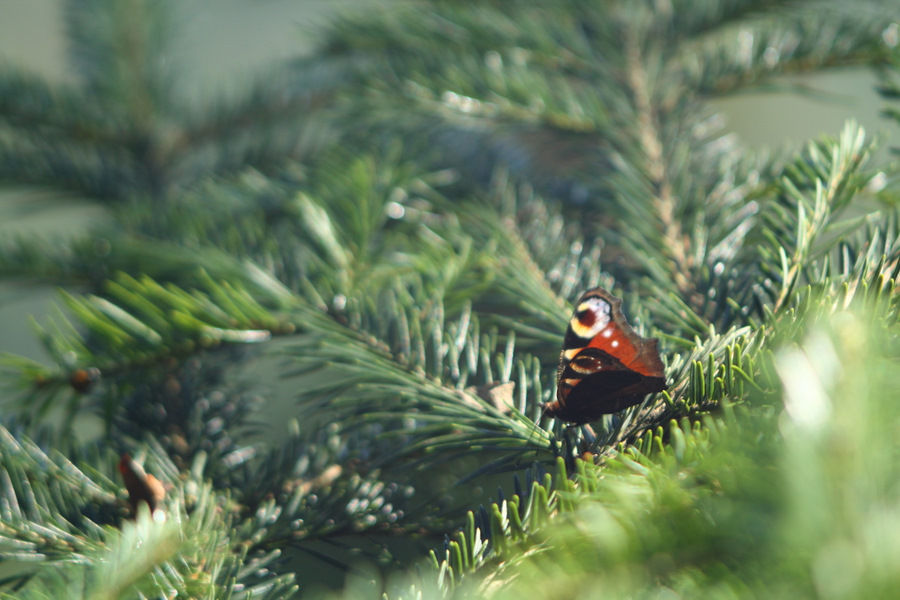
674 240
418 276
140 323
410 383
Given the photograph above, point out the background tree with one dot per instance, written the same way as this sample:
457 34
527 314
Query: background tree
399 223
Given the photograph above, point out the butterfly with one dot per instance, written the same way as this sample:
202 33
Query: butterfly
604 366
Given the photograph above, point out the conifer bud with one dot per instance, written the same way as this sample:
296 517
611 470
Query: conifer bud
142 487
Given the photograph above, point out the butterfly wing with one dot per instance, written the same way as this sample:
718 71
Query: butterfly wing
605 366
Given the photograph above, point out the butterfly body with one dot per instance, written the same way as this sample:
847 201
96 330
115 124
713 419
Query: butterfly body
604 366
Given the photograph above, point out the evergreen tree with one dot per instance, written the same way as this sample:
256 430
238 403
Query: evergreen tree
400 224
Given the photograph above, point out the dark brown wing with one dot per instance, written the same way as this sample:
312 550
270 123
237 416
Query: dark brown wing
594 383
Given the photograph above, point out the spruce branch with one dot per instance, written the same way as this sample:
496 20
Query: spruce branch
889 74
648 137
28 102
669 140
535 262
815 191
119 49
186 555
92 260
410 381
140 323
318 487
60 511
125 128
776 37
